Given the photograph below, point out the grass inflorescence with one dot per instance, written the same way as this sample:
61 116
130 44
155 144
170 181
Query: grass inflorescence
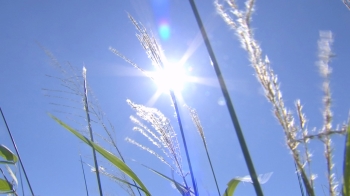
165 145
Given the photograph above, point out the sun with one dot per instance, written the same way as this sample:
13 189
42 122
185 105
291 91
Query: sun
171 77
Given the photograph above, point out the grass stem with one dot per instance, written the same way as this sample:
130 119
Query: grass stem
82 168
230 107
199 127
19 157
86 107
173 98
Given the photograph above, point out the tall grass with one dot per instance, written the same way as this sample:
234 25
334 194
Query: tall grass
239 20
155 54
70 99
164 139
8 186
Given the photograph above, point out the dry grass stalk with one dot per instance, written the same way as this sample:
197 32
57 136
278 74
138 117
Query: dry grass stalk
155 54
149 44
197 123
72 98
325 54
240 21
164 136
266 76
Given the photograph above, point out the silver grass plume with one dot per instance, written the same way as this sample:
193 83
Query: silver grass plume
164 136
240 21
155 54
325 54
197 123
68 99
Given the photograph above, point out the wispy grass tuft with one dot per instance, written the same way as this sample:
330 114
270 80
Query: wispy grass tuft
197 123
70 99
155 54
229 104
239 21
163 138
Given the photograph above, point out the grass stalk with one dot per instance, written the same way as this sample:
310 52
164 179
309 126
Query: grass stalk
230 107
325 55
164 138
299 179
173 98
153 50
21 180
113 143
13 189
82 168
86 108
199 127
19 157
73 82
302 122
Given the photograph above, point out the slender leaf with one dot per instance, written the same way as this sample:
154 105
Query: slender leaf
5 186
182 189
346 172
231 186
118 179
109 156
7 154
12 174
7 162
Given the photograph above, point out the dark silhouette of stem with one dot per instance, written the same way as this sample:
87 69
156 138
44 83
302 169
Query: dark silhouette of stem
19 157
199 127
114 145
173 98
20 178
299 179
212 169
230 107
82 168
86 107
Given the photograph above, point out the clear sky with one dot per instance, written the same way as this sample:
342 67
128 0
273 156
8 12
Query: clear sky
81 33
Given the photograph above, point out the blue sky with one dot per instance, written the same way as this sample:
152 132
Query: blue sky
81 33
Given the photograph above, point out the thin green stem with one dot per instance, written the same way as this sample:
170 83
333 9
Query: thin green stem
299 180
19 157
20 178
199 127
230 107
173 98
114 145
211 167
82 168
86 107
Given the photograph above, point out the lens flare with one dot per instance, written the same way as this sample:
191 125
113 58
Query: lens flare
172 77
164 30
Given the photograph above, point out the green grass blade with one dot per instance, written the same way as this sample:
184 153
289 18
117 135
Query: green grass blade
119 179
109 156
5 186
231 187
7 154
9 170
7 162
182 189
346 172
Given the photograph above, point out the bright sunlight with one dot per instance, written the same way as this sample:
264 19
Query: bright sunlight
172 77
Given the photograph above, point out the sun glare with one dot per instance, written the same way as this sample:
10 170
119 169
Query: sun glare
172 77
